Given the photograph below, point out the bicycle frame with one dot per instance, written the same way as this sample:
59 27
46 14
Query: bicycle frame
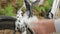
23 22
28 15
55 7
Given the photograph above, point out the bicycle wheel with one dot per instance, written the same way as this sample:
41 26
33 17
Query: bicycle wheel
8 23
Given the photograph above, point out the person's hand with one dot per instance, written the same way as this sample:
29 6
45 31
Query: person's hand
45 26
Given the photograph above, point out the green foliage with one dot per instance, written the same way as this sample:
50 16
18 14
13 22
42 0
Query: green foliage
2 11
47 6
9 10
19 3
50 2
39 8
24 9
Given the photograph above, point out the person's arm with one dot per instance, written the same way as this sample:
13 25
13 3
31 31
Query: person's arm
44 26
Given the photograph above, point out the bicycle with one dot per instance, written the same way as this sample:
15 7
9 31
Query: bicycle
7 22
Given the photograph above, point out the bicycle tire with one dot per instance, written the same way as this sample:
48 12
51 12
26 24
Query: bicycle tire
7 22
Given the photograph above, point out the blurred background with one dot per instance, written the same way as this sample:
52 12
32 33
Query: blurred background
10 7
